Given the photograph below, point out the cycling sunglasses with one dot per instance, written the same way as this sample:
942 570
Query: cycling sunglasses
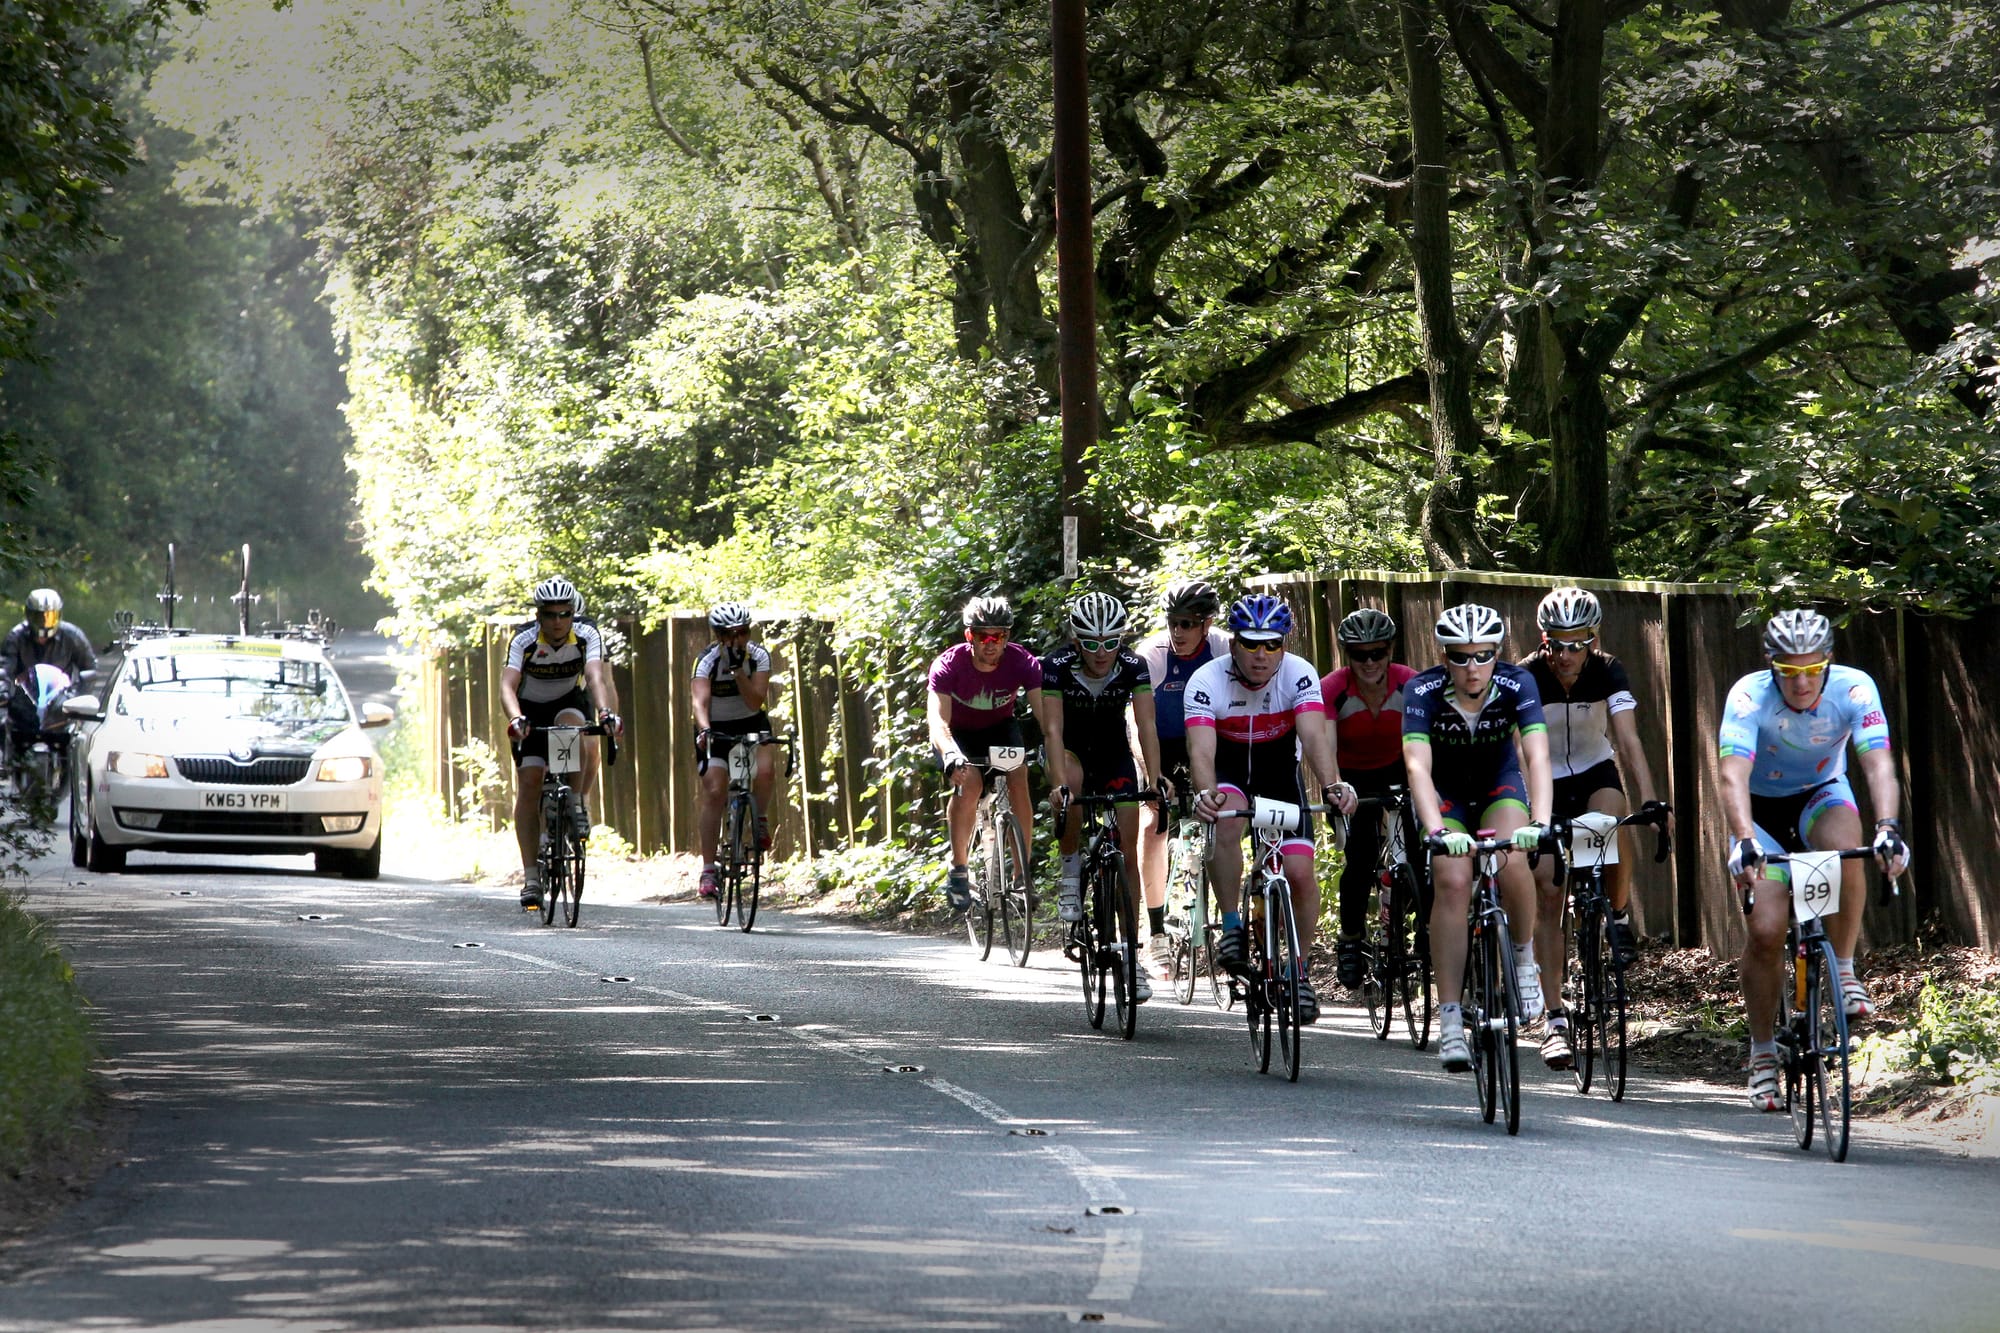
987 635
1366 654
1260 645
1181 622
1572 645
1480 658
1791 670
1100 645
550 613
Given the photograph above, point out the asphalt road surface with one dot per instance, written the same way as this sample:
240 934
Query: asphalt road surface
407 1105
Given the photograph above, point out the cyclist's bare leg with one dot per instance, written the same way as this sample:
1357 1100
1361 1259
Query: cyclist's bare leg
1551 944
1017 796
962 810
1128 837
1517 882
1451 901
1618 878
1305 899
584 780
1152 859
1226 860
1763 948
714 796
528 810
765 778
1839 826
1068 773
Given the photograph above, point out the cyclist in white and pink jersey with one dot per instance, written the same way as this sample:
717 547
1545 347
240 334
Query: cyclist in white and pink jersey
1249 716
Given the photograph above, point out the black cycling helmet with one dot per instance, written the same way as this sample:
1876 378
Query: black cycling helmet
1366 626
989 613
1191 597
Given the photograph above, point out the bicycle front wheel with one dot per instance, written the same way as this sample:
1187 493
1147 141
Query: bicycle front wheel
567 897
1586 987
1795 1053
732 860
1184 955
1285 965
1257 1008
1413 979
1088 936
1016 891
986 871
1611 1031
1829 1010
1506 1030
1384 961
1482 980
1125 958
750 873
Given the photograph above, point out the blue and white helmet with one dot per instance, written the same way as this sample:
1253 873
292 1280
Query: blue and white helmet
1260 615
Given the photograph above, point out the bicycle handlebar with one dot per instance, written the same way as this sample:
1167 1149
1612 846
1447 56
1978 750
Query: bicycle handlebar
1088 802
592 729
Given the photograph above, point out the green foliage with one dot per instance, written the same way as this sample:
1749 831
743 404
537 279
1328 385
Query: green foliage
46 1040
1956 1038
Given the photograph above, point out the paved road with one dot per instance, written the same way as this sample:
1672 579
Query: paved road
349 1116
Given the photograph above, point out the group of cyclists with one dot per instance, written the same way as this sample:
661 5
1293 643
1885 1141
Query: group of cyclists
1216 715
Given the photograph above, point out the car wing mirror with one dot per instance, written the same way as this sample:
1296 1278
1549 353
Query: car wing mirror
376 715
83 707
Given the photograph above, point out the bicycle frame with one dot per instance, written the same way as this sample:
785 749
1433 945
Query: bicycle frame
1105 942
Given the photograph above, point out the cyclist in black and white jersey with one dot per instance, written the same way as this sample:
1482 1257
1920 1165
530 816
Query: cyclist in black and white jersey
1172 656
555 673
1593 737
732 685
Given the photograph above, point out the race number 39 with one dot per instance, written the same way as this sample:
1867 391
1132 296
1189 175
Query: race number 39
1815 885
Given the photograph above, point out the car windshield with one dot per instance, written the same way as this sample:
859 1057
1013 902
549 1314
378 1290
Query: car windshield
223 685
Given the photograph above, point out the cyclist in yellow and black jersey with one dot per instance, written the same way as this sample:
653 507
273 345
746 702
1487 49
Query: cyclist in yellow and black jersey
731 688
554 674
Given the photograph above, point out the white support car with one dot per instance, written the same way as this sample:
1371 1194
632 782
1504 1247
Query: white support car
214 743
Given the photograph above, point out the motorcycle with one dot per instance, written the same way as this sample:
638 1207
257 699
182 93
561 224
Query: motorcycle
38 734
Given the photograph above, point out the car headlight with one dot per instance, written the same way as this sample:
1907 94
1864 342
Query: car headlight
348 768
131 764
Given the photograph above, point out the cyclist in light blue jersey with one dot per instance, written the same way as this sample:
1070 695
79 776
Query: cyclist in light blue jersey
1784 741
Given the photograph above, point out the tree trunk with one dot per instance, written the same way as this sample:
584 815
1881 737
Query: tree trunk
1450 532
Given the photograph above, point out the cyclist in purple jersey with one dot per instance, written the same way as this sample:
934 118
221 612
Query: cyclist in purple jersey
1171 657
1785 733
973 686
1477 752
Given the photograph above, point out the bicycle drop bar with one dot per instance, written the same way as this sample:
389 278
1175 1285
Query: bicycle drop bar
594 729
1087 803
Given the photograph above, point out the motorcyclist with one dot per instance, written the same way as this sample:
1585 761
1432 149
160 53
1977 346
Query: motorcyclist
43 638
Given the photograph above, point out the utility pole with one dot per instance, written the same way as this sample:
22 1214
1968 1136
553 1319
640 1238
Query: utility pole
1076 278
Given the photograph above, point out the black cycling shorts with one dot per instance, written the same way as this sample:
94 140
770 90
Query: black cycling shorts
542 715
1573 793
974 742
722 738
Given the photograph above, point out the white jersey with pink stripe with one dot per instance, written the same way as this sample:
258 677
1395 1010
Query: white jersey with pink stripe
1253 715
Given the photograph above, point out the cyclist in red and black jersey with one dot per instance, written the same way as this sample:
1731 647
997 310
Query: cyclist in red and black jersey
1365 700
1591 711
1249 717
1478 754
1089 687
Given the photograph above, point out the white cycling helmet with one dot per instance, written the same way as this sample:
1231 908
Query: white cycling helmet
1097 615
1569 609
1798 631
557 589
1470 623
728 615
1366 626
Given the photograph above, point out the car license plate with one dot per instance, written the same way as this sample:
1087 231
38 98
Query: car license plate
243 800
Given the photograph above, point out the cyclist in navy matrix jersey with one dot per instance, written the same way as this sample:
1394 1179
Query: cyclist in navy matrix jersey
1477 751
1088 689
1173 655
1588 703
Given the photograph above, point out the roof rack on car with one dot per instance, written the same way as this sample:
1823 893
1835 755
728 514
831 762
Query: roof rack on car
317 628
130 630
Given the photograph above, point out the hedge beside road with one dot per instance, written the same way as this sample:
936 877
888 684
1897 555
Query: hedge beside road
46 1040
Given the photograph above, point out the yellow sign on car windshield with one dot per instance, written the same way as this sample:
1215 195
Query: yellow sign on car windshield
242 647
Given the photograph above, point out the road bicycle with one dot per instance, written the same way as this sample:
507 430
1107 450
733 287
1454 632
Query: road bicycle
1398 947
1191 927
1492 992
740 857
560 852
1812 1012
1593 977
1268 982
1001 887
1105 942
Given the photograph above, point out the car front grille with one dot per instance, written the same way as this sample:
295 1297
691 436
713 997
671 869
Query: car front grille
264 771
239 824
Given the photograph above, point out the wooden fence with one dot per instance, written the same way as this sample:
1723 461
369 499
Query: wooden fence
1684 644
